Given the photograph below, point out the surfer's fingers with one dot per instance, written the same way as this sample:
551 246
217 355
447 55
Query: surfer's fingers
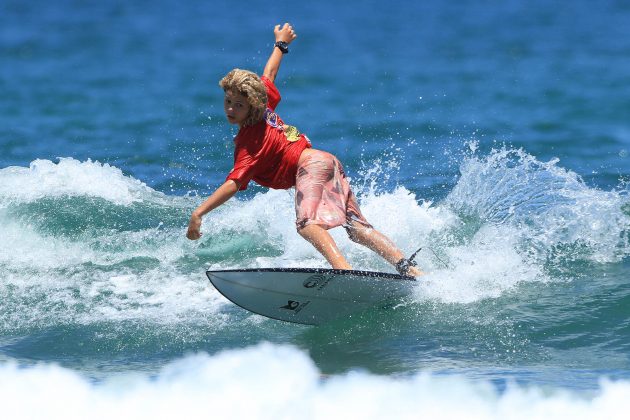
193 234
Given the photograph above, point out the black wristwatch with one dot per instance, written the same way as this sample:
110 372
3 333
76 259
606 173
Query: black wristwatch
282 46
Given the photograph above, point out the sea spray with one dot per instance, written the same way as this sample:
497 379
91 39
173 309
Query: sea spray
548 206
95 272
271 382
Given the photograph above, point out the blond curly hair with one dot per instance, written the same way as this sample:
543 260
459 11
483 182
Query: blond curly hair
249 85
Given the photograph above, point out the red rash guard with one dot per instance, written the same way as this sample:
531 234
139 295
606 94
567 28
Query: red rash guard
268 151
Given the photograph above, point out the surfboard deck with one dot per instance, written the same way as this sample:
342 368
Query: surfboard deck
310 296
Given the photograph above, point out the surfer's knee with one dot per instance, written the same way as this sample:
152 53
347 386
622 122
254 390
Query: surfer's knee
312 232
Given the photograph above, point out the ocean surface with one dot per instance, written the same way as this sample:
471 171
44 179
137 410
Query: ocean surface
494 134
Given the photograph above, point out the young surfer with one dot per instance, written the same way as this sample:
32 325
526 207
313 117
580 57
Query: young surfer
277 155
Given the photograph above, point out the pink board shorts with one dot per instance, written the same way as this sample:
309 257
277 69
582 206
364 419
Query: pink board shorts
323 195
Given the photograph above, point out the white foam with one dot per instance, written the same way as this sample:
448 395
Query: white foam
404 219
80 283
485 267
21 248
271 215
53 279
546 204
524 214
280 382
69 177
463 267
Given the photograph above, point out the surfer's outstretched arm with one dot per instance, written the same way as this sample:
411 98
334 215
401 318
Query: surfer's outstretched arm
220 196
284 36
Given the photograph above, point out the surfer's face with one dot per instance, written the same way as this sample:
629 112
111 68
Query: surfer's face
236 107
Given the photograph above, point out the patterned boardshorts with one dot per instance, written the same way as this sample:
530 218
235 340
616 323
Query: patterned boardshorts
323 195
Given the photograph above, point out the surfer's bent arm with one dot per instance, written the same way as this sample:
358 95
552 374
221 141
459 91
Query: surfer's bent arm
220 196
286 34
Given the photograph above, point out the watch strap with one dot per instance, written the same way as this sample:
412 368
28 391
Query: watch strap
282 46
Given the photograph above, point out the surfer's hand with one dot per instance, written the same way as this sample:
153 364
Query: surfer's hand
286 34
194 227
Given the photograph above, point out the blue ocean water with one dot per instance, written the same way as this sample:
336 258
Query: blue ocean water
495 134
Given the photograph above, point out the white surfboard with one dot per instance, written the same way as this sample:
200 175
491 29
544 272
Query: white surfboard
308 295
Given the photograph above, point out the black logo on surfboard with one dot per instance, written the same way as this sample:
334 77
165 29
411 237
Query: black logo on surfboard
318 281
295 306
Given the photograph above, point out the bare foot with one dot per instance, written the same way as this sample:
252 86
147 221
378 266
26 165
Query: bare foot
414 272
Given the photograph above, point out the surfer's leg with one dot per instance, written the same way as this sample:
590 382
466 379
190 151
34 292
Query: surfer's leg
325 244
374 240
379 243
315 207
